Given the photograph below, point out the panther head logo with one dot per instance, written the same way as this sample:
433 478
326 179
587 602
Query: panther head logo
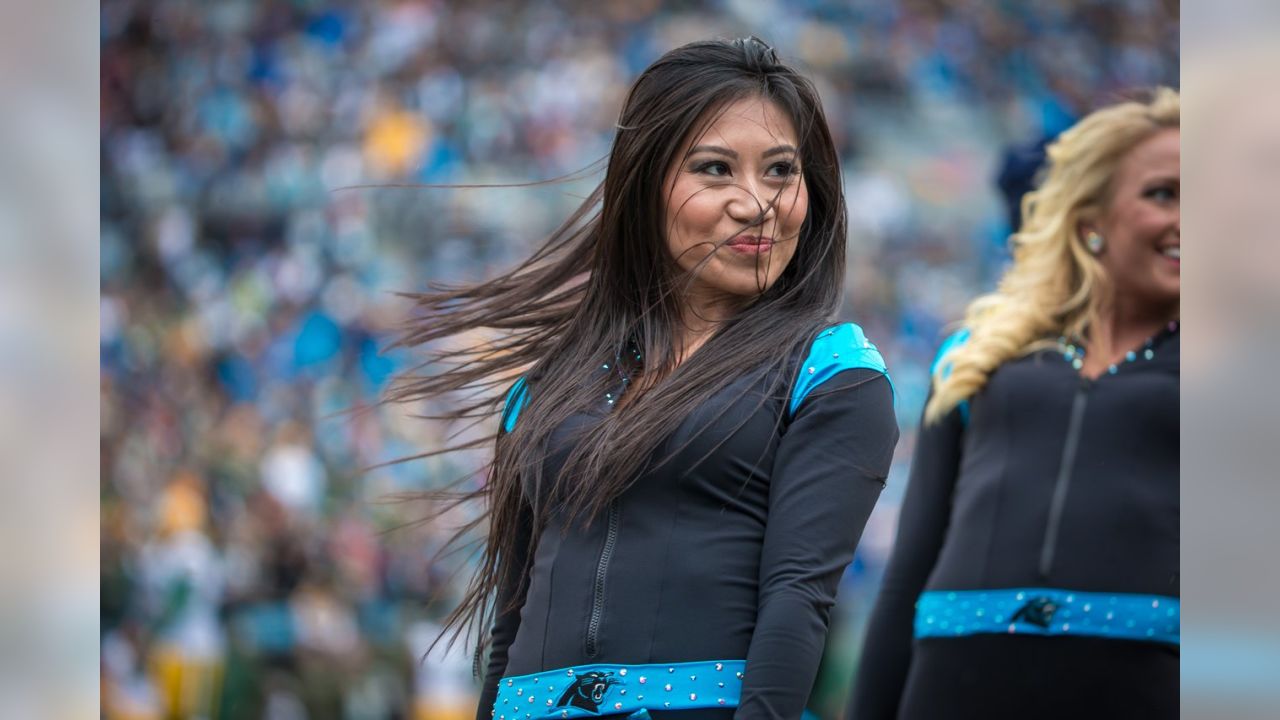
1038 611
587 690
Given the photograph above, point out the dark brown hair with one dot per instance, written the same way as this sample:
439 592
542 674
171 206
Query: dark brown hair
603 282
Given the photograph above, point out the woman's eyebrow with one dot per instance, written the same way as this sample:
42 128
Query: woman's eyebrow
713 149
776 150
779 150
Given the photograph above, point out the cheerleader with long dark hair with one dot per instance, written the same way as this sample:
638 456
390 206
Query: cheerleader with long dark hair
691 446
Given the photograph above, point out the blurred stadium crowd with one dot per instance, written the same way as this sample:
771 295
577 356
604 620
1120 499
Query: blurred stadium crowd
250 566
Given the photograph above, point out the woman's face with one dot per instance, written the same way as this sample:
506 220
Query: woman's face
1141 225
736 198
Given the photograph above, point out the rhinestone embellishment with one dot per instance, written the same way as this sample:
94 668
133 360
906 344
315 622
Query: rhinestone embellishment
1074 352
676 694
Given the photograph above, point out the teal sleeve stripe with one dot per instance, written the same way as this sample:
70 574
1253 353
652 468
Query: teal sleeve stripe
953 341
516 397
836 349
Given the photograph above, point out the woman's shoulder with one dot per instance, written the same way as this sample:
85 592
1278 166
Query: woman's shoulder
833 350
953 341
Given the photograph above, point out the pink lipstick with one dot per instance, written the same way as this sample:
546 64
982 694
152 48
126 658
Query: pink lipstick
751 244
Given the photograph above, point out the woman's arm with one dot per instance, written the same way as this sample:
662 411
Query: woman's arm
510 599
830 468
514 585
922 527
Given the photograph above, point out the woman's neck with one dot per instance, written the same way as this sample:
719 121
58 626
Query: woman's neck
702 314
1126 325
698 321
700 318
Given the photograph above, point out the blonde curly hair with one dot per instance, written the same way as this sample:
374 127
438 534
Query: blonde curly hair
1055 286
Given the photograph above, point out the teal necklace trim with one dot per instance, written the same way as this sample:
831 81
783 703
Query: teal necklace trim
1073 350
622 369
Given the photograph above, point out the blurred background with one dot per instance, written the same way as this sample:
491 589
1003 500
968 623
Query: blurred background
250 567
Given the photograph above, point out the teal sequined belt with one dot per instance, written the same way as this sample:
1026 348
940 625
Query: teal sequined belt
610 689
1048 611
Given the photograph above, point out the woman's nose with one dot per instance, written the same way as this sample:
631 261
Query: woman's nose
750 206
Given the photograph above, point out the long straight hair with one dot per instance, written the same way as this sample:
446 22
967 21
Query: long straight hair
603 282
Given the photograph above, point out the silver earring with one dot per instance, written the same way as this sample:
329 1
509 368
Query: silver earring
1094 242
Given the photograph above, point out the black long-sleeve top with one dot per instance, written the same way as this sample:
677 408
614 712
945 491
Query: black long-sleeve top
736 558
980 513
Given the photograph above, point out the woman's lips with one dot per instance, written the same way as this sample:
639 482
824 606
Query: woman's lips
750 244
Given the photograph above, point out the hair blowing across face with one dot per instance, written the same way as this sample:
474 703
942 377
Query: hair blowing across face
604 282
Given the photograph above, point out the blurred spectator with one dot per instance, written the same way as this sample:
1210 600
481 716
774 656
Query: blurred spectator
183 580
292 473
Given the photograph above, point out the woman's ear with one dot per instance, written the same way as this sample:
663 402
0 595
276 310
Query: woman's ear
1086 223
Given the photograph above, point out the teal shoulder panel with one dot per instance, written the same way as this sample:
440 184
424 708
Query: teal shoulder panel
516 398
953 341
836 349
942 369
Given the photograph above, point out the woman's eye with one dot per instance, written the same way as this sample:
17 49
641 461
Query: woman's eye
783 169
1162 193
714 168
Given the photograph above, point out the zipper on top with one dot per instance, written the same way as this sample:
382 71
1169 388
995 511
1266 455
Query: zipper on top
1063 482
597 591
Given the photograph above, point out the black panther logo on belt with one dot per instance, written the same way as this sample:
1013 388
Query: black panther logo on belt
1038 611
587 690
